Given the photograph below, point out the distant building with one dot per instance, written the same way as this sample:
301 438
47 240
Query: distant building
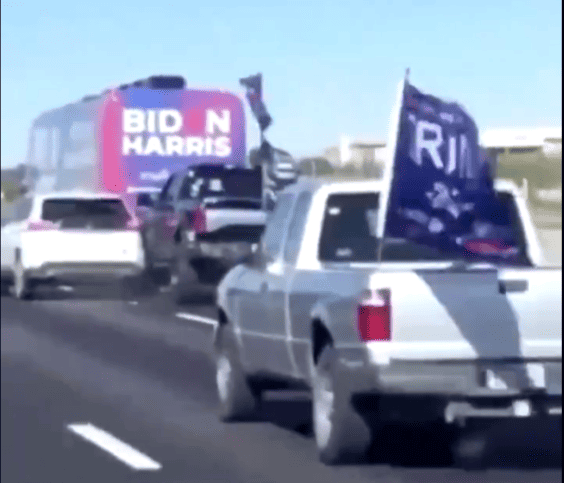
547 141
356 151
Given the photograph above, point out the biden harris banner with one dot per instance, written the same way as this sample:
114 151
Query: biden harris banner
441 184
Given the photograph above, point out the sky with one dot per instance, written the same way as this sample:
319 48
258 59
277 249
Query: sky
329 67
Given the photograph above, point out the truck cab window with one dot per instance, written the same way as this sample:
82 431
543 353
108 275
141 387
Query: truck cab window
186 190
349 228
166 191
274 233
297 226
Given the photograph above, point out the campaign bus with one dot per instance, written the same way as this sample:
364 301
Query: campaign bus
130 139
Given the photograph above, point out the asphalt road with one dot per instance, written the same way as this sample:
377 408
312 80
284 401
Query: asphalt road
135 379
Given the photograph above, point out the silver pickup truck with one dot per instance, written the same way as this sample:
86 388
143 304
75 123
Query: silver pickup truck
398 332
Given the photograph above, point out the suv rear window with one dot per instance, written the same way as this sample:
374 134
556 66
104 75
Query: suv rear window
86 213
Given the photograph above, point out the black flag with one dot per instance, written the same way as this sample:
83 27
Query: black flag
254 95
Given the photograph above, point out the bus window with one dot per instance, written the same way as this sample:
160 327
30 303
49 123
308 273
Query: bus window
55 146
41 154
81 149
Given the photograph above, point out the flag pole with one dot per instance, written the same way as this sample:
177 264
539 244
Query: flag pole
263 171
393 134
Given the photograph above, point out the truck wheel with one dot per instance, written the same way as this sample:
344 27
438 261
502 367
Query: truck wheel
237 400
23 286
341 434
184 280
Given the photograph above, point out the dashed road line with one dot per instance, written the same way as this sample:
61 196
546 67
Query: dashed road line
196 318
118 449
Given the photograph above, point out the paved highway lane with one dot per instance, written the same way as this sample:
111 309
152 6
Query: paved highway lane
144 375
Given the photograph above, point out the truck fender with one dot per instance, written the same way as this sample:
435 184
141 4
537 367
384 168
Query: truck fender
321 310
321 324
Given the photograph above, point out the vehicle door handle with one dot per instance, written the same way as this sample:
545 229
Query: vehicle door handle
507 286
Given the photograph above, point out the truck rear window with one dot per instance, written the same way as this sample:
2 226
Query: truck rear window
222 183
349 232
349 228
83 213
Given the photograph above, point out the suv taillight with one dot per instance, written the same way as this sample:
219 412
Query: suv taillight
374 317
41 225
199 221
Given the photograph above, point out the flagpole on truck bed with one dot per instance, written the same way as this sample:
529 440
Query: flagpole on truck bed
393 134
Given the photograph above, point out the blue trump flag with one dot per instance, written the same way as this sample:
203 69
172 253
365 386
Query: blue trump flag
253 85
442 183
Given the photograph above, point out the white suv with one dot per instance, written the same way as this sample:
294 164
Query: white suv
70 236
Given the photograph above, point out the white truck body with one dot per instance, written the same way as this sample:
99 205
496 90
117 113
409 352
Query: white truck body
458 332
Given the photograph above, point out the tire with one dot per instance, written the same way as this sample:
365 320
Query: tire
238 401
23 286
341 434
186 285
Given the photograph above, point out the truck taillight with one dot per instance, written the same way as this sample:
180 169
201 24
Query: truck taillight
374 316
41 225
199 221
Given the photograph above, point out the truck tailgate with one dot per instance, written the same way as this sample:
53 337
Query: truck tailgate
486 314
81 246
221 218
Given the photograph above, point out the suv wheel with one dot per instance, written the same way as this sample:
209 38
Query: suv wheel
23 286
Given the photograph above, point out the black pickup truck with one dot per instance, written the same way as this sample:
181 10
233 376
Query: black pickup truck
206 219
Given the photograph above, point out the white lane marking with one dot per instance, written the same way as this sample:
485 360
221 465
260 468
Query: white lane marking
133 302
196 318
118 449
